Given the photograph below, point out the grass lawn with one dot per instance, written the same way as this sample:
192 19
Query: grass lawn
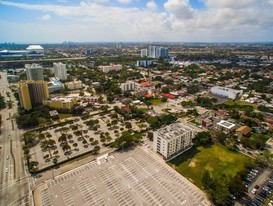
240 103
217 159
194 122
64 116
156 102
143 109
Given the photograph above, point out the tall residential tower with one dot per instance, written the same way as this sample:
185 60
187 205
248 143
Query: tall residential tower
34 72
32 93
60 71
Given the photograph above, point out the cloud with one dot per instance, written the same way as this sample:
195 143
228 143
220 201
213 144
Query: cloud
45 17
221 20
180 9
125 1
151 5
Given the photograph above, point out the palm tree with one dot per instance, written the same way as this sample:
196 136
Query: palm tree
66 147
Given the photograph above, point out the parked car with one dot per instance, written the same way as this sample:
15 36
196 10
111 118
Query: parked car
256 187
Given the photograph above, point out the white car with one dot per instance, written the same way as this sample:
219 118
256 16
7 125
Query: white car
254 191
7 170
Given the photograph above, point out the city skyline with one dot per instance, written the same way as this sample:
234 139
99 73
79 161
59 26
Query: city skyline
56 21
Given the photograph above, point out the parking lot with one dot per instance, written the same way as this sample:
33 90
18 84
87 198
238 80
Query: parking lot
134 177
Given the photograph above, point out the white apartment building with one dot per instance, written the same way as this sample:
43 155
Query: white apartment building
107 69
74 85
226 92
143 52
60 71
173 140
34 72
127 86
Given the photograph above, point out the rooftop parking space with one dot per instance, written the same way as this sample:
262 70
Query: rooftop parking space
134 177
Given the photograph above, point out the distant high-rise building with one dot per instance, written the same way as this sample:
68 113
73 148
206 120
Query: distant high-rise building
60 71
34 72
163 52
144 53
158 52
88 52
32 93
153 52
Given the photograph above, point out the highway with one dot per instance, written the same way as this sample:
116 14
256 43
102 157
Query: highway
13 176
42 60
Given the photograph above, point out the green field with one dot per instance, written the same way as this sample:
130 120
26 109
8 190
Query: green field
194 122
240 103
156 102
216 158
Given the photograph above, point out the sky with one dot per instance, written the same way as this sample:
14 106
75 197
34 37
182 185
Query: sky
55 21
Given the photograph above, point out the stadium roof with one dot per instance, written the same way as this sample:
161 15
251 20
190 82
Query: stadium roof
35 47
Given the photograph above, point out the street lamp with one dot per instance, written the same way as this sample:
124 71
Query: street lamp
122 144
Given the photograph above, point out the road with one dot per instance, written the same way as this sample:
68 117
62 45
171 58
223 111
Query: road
42 60
13 177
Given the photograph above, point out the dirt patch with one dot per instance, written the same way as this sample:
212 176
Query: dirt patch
193 163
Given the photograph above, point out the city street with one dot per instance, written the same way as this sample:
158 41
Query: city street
13 178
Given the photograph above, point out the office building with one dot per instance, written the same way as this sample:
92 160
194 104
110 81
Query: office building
127 86
107 69
144 63
32 93
74 85
173 140
60 71
226 92
144 53
225 126
34 72
61 103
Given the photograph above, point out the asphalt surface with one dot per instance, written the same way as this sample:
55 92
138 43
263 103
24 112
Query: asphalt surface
134 177
13 177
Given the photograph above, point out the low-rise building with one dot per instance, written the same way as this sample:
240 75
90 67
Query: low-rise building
107 69
243 131
144 63
226 92
173 140
55 86
60 103
127 86
225 126
74 85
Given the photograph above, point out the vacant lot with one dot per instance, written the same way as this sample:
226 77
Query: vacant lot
216 158
240 103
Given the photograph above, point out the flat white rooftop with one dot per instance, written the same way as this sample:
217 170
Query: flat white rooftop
226 124
172 131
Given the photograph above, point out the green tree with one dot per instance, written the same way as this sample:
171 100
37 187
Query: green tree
203 138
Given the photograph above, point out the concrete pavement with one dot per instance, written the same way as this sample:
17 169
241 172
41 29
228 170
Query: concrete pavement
13 177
